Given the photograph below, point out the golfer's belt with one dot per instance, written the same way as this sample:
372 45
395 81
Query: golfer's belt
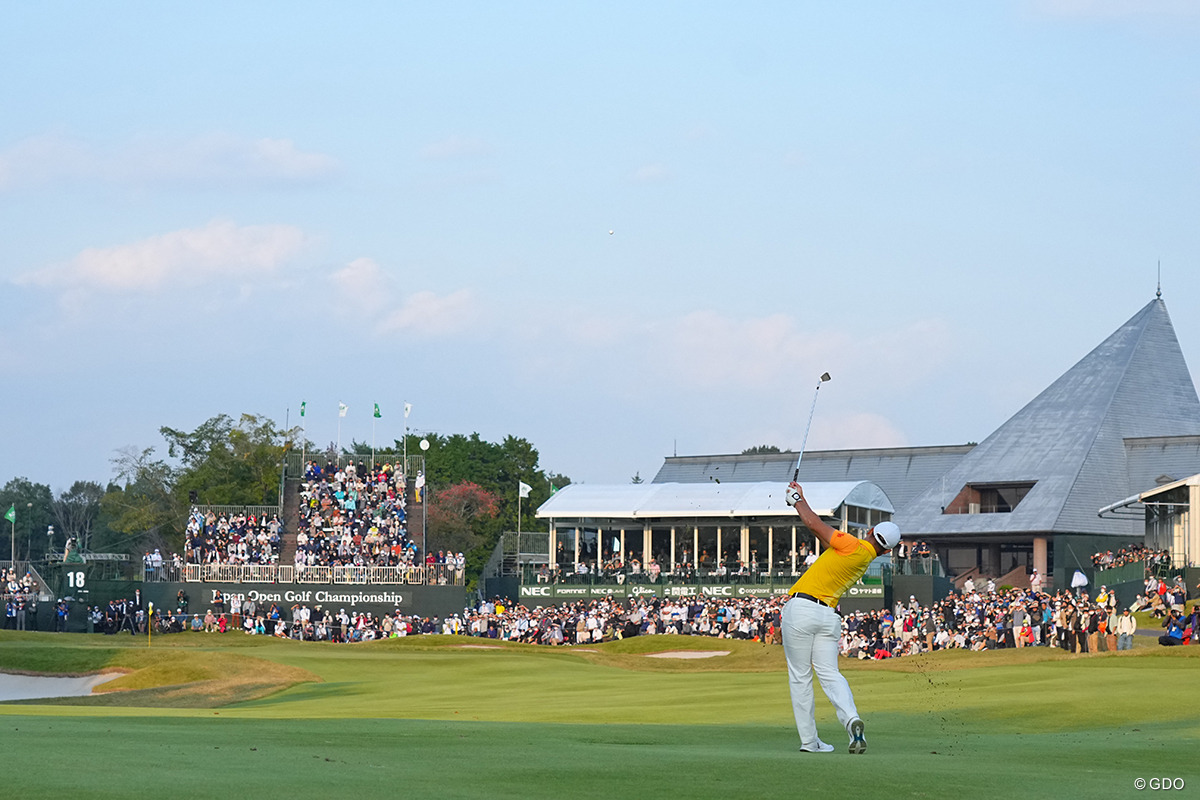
807 596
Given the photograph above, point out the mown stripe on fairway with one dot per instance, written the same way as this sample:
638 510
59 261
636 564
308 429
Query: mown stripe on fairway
218 758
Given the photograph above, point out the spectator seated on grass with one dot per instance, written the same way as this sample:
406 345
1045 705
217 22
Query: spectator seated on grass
1174 634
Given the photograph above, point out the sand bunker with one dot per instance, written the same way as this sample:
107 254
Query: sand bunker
688 654
34 687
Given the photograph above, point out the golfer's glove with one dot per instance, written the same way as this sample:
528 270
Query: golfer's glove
792 496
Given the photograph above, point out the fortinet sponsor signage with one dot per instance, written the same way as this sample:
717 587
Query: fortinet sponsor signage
626 591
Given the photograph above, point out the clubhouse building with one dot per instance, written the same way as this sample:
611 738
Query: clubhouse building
1121 425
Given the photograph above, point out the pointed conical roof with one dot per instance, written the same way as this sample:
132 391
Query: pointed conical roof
1069 440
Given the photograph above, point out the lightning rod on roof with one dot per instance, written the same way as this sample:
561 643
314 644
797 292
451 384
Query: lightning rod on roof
1158 292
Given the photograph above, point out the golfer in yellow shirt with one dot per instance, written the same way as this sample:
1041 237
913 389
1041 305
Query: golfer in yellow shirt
811 626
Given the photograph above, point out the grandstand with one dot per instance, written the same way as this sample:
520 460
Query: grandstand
313 548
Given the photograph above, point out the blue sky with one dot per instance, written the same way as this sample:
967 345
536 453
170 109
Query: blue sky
224 209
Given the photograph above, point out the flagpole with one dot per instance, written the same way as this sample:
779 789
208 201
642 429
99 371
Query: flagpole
407 408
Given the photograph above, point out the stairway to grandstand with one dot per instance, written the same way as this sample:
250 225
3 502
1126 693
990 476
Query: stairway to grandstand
961 578
291 518
1017 577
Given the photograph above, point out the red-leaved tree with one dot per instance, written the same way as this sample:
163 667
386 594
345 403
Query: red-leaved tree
452 513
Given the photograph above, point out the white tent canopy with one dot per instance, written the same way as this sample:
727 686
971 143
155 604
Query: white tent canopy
666 500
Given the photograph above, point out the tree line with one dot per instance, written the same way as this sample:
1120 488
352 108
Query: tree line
471 485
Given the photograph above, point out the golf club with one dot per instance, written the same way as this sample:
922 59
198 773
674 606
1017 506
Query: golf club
804 443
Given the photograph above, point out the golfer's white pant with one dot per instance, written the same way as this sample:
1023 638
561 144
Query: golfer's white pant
810 643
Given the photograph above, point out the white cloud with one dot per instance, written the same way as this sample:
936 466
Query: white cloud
199 162
747 380
456 147
368 293
709 349
650 173
362 287
429 314
189 257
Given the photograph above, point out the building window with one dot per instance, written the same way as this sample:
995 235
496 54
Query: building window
989 498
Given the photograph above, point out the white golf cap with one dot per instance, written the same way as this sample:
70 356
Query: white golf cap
887 534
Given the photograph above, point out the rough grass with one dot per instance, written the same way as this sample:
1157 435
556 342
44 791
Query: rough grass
179 674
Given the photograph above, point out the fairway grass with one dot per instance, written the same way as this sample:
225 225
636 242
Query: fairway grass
426 717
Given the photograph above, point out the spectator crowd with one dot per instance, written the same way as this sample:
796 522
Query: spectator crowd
1129 554
213 538
353 515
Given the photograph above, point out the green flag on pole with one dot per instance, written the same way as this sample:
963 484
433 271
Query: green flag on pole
11 514
302 405
377 414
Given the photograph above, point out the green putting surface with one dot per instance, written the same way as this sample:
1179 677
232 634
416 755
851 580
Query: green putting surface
430 717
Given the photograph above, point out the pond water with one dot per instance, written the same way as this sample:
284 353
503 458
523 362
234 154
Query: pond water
33 687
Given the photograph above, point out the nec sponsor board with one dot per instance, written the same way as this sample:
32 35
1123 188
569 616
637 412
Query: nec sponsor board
595 592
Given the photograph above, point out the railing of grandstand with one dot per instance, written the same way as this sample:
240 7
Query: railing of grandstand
167 573
234 510
416 575
919 565
350 574
22 568
1126 573
19 567
314 575
533 573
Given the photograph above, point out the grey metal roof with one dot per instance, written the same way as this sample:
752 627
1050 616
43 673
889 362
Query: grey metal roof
1152 460
711 499
902 471
1070 439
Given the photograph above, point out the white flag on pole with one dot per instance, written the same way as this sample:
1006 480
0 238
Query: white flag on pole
407 408
523 489
342 409
1078 580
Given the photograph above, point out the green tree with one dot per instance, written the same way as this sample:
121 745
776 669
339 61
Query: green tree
31 503
228 464
496 467
141 501
763 449
76 511
222 462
